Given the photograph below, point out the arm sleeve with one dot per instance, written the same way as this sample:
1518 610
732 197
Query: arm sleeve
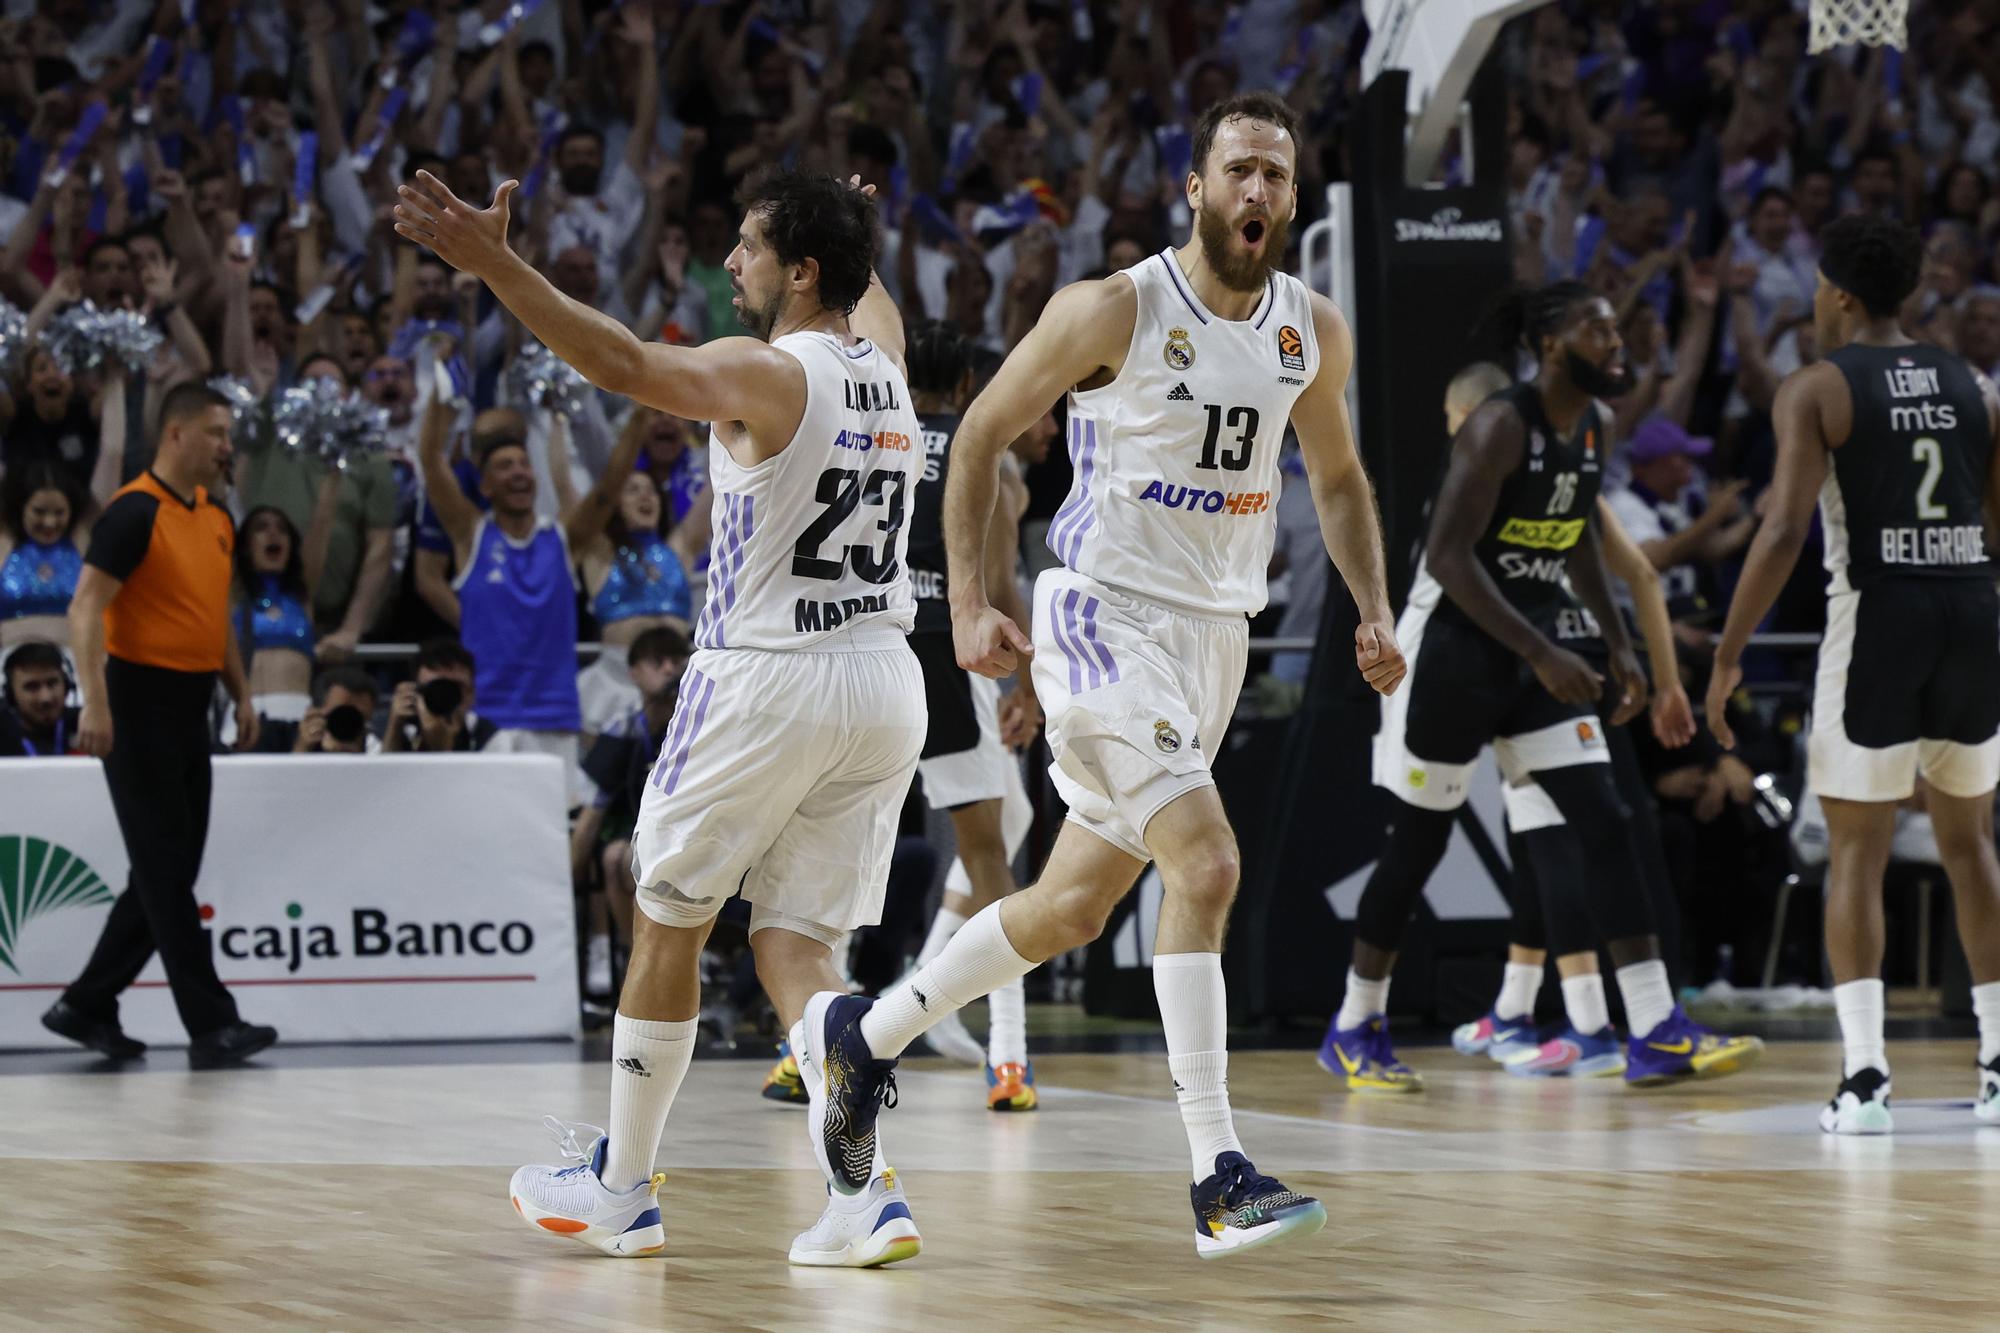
122 533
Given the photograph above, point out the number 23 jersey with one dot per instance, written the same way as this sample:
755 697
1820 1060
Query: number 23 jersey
1176 488
810 548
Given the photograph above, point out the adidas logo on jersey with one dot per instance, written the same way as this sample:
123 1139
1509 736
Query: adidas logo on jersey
1179 394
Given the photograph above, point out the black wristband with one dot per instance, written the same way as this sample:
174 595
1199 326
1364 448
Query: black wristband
163 313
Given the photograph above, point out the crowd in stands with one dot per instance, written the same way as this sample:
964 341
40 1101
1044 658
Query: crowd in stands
226 168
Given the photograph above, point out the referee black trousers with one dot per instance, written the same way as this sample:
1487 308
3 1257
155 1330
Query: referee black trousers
158 771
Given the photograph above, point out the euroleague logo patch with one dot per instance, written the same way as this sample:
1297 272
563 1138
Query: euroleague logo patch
1179 350
1586 734
1166 737
1291 349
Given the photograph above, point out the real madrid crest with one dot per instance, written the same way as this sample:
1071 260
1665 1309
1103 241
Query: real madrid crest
1164 734
1179 350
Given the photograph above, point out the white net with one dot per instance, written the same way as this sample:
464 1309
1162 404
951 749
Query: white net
1868 22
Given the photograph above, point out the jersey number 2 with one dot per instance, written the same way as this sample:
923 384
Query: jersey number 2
1931 454
1242 420
842 490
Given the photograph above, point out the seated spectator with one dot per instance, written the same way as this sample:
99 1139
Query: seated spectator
35 719
620 764
1979 330
1683 532
434 713
343 701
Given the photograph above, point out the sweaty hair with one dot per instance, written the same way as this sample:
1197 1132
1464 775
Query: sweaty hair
188 400
1526 315
1267 107
937 355
444 654
1875 260
662 643
813 215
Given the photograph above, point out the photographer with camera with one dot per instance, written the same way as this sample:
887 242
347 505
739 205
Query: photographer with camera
344 698
36 721
433 713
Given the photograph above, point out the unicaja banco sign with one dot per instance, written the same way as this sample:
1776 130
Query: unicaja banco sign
38 877
1450 224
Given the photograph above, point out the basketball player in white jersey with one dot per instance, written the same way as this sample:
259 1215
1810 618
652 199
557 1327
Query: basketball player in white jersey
1182 372
802 711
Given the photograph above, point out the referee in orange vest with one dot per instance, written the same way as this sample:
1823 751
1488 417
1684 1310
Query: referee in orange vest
150 630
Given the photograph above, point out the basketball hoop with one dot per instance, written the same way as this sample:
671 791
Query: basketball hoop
1868 22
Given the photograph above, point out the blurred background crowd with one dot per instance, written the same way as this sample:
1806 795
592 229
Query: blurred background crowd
226 170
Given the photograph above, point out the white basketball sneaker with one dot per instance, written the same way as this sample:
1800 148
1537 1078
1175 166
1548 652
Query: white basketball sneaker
1860 1105
866 1232
949 1038
1987 1105
572 1201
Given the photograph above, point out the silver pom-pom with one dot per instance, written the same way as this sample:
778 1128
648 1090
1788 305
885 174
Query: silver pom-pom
244 405
84 338
540 377
321 418
13 332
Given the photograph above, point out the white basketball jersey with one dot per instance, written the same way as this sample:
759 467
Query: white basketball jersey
810 547
1175 497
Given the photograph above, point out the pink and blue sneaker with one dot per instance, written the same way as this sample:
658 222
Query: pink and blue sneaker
1572 1054
1504 1039
1364 1057
1682 1048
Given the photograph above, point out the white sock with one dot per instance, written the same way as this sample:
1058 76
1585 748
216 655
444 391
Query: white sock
1518 989
1194 1011
1007 1034
1583 1001
1649 997
1364 1000
1986 1004
977 962
1859 1004
943 926
648 1061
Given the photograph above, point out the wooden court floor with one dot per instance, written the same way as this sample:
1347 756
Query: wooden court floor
375 1197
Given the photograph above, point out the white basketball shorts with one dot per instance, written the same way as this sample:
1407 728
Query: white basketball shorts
1137 696
782 775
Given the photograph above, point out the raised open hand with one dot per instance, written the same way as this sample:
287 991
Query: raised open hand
472 240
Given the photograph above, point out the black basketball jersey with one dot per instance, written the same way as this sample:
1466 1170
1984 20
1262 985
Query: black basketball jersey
926 557
1542 510
1909 485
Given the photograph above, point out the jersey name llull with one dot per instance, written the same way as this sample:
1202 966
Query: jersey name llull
870 395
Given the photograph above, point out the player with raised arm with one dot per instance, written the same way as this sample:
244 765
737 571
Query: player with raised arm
1182 372
1895 442
802 710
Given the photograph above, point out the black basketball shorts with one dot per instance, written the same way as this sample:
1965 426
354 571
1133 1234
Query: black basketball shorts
1908 681
1464 692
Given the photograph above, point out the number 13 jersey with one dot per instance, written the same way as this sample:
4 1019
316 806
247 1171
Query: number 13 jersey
810 548
1176 489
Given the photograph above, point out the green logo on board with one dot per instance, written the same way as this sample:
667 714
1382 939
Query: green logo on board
37 876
